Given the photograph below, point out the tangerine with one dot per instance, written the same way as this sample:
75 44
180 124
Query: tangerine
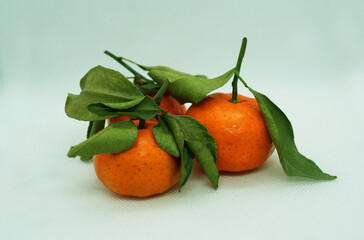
242 138
168 104
143 170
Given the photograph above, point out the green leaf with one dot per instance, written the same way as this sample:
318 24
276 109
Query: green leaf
187 88
201 76
149 88
165 139
163 69
162 133
101 85
116 138
188 132
160 76
120 60
124 105
94 127
281 132
145 109
76 107
201 144
176 130
178 136
158 96
89 129
194 131
188 159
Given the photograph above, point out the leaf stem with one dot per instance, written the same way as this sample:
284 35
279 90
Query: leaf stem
95 127
120 60
234 84
141 124
158 96
242 80
138 81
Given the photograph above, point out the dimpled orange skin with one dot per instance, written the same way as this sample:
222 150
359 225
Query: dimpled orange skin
168 104
242 138
143 170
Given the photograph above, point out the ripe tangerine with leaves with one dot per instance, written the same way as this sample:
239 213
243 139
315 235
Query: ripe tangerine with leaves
143 170
242 138
168 104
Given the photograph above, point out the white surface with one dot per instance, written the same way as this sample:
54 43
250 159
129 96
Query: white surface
306 57
46 195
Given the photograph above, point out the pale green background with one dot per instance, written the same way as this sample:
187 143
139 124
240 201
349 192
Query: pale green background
307 56
49 42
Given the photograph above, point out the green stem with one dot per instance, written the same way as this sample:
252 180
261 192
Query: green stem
234 84
95 127
138 81
158 96
120 60
242 80
141 124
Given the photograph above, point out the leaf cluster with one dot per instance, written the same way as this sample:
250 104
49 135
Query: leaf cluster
106 93
185 137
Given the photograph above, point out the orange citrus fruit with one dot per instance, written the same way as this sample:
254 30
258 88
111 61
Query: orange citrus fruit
143 170
168 104
242 138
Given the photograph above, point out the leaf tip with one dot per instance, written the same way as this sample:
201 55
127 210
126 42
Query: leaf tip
181 184
85 159
215 182
330 177
70 153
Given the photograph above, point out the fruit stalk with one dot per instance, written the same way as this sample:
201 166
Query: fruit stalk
120 60
141 124
234 84
158 96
